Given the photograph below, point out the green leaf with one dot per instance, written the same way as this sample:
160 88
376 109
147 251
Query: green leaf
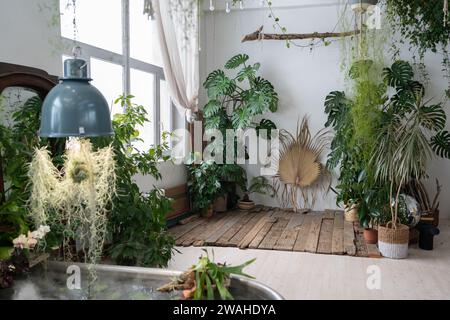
360 69
336 106
399 75
211 108
236 61
433 117
218 84
241 118
440 144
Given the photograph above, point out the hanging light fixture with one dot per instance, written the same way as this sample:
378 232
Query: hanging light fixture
75 108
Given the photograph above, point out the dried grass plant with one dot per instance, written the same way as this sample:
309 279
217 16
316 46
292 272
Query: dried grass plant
300 172
80 194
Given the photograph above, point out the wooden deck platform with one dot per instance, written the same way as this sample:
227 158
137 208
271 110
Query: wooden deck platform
277 229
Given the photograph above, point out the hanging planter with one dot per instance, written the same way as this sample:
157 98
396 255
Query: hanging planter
393 240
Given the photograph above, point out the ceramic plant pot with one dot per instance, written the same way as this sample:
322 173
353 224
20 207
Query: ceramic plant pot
351 213
246 205
370 235
393 240
220 204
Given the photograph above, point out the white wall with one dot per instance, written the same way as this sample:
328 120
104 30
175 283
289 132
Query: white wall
301 78
28 37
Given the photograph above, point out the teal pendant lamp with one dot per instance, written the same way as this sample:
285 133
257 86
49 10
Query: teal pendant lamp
75 108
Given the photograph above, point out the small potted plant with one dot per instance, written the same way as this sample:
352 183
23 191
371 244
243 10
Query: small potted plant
257 185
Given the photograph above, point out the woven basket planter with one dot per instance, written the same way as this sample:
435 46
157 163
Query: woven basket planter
351 213
393 242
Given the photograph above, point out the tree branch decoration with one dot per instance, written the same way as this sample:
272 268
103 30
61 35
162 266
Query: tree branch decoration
77 197
259 35
299 168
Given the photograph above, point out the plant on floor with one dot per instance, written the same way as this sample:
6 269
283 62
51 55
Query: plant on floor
260 185
207 280
137 221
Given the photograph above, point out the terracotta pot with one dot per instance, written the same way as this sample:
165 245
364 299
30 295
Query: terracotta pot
246 205
220 204
208 212
370 235
351 213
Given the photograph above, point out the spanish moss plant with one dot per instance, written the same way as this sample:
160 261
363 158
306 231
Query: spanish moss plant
79 195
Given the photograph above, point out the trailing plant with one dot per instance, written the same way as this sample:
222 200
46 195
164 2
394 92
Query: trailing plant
77 197
137 221
207 280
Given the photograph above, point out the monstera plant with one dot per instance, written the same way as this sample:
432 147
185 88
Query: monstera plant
234 101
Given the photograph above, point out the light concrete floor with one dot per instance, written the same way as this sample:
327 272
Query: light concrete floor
298 275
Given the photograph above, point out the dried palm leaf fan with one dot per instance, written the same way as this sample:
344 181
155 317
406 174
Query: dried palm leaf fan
299 167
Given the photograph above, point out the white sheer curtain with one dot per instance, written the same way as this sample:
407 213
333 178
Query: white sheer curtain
178 23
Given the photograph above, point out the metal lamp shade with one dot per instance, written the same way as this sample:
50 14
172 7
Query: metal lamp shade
75 108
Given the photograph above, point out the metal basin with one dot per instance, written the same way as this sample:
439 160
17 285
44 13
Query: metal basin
114 283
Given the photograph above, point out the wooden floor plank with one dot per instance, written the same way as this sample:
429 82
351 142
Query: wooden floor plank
274 234
302 236
372 251
251 223
245 242
199 234
254 244
221 227
326 236
314 233
224 240
337 242
349 239
287 239
329 214
179 230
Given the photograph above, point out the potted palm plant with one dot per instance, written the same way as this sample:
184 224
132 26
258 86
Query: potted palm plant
408 134
257 185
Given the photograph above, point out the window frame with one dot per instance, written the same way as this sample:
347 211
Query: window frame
127 63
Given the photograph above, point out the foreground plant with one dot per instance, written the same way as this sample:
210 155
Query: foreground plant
206 279
76 198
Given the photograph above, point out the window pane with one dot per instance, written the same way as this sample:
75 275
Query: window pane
143 35
99 22
143 90
107 77
166 108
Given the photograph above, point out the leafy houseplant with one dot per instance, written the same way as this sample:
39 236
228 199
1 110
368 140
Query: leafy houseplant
408 134
206 280
18 137
233 102
257 185
137 221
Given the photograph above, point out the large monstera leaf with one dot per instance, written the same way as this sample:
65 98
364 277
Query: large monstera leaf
440 144
236 61
212 108
267 89
218 84
433 117
400 74
336 105
241 118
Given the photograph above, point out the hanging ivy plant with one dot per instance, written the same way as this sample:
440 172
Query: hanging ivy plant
423 23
